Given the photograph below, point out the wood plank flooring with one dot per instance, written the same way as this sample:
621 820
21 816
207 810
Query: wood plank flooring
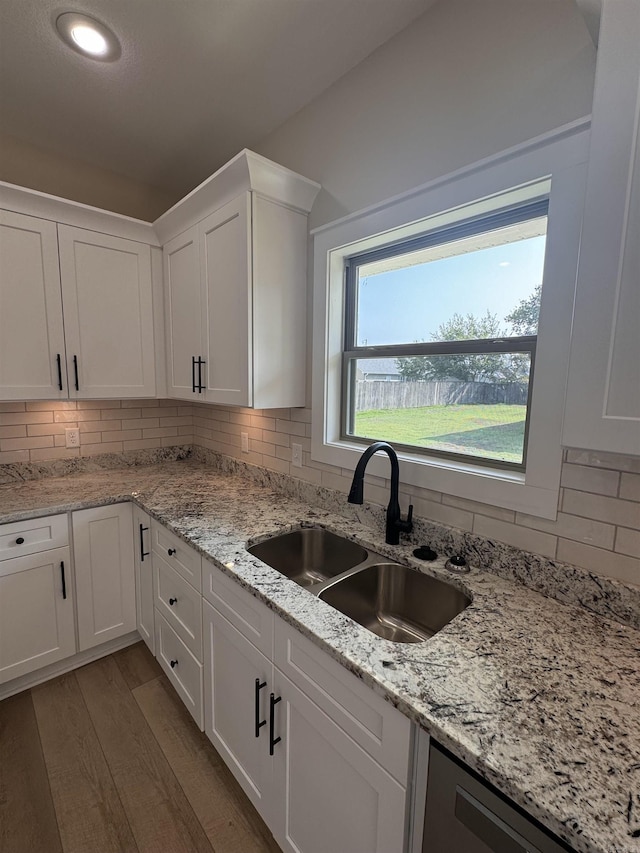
106 759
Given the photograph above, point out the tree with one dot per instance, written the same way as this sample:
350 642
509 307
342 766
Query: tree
524 317
465 367
478 367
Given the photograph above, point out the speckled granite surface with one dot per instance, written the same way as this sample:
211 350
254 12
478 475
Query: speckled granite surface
540 698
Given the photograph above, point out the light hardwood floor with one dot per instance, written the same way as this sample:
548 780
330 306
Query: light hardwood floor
106 759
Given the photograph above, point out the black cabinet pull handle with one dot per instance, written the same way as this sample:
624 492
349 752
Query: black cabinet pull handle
75 372
143 553
59 363
172 601
259 723
20 540
272 704
64 582
201 361
193 373
173 663
171 551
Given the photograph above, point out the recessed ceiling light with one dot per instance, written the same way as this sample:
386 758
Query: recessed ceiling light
88 36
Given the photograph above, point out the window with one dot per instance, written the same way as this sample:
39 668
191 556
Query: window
371 337
451 316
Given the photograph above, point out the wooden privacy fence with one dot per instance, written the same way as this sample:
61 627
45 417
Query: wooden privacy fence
410 395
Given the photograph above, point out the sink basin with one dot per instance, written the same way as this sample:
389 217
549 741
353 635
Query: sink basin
309 556
396 602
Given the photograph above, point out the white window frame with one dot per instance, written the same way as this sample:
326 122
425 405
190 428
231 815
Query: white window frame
555 164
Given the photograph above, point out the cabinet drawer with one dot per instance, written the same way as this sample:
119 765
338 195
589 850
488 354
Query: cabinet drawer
379 728
20 538
186 672
184 559
179 603
251 617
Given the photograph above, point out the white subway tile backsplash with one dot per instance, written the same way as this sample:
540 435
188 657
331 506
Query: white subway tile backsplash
597 459
513 534
23 417
597 527
613 510
572 527
600 561
630 487
628 542
598 480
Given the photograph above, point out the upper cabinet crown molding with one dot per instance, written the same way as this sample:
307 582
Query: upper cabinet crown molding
66 212
603 393
247 171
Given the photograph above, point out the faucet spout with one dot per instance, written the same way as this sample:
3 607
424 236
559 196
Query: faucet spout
395 523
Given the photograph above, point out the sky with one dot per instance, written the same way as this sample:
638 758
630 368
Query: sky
408 305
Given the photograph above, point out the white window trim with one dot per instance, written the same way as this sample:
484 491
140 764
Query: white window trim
559 159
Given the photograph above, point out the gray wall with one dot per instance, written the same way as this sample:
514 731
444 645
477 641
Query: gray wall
468 79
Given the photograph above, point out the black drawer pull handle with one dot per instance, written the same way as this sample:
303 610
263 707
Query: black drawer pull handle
143 553
259 723
171 551
272 704
20 540
174 663
172 601
200 386
63 579
193 373
75 371
59 363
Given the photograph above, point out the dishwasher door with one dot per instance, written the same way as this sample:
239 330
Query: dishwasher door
463 814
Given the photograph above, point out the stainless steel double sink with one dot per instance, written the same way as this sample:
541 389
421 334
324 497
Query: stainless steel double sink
393 601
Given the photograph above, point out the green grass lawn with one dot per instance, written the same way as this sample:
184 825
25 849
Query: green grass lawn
495 431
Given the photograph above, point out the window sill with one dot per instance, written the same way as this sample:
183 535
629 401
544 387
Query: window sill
506 489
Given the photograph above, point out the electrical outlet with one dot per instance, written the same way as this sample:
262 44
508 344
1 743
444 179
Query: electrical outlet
72 437
296 455
244 438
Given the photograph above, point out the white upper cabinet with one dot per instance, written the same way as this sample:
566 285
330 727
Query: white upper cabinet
108 310
32 354
236 321
183 312
603 394
76 303
225 255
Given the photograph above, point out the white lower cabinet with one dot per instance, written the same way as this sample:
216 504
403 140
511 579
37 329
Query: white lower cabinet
105 573
144 577
331 794
36 612
291 746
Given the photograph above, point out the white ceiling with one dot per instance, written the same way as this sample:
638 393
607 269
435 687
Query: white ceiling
198 80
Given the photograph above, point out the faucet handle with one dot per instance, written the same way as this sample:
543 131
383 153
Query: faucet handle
406 526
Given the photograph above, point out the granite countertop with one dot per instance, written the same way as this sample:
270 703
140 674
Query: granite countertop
541 698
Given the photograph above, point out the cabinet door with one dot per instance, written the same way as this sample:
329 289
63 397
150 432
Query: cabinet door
31 331
235 703
225 263
332 795
108 312
183 310
36 612
105 574
144 578
603 395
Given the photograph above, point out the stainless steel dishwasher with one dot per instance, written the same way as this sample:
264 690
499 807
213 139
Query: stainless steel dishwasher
465 815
